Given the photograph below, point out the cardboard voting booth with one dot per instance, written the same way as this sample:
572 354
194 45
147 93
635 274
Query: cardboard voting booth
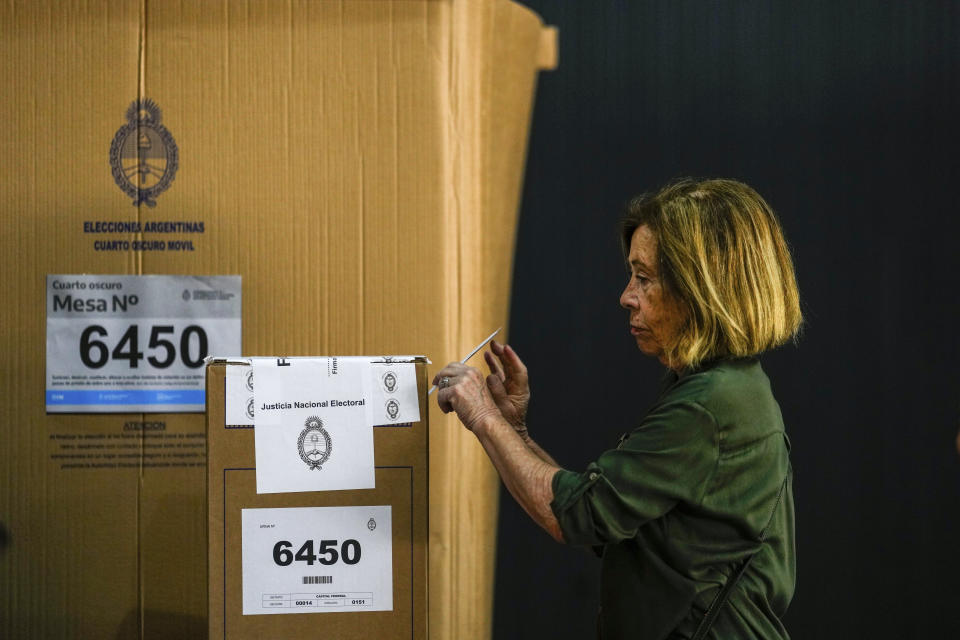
313 553
329 177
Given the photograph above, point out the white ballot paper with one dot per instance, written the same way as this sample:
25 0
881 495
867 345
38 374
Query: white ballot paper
313 427
317 559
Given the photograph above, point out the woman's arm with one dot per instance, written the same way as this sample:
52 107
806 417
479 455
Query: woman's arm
527 476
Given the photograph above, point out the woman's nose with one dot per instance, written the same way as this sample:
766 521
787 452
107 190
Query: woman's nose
628 300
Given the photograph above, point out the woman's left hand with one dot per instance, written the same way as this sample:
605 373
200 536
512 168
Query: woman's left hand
464 389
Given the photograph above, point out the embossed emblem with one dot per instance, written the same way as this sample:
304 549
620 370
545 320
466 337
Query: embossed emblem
314 444
144 156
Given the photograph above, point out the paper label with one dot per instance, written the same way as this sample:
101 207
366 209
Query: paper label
393 391
313 428
396 399
238 395
317 560
122 344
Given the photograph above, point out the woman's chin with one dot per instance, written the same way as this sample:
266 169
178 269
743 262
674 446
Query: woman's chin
648 349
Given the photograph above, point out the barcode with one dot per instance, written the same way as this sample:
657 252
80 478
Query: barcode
317 579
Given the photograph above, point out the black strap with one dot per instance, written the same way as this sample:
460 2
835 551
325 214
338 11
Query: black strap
721 599
714 609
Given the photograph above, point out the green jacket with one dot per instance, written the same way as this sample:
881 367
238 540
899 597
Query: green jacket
682 501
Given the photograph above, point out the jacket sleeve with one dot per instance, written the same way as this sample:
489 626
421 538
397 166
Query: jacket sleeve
668 459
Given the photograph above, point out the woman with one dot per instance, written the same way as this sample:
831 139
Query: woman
692 512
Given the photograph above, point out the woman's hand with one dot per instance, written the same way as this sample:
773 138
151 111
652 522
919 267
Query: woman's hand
509 385
526 470
464 390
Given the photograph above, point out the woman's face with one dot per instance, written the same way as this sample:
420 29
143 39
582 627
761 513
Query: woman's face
655 317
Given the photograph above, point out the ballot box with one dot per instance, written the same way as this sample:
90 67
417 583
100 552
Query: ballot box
289 561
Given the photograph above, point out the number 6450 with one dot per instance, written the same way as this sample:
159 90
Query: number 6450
329 552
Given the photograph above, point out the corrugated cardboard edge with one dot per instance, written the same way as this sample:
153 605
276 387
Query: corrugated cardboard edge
479 230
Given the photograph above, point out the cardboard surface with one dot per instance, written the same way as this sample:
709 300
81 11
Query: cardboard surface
401 482
357 163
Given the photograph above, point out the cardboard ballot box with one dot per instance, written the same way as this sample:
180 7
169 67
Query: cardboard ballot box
316 547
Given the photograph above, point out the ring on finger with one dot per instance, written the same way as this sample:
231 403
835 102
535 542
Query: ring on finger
444 382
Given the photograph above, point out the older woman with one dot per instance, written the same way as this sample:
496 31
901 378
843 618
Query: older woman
692 512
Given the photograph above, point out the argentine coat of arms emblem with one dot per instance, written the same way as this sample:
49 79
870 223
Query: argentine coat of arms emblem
314 444
143 156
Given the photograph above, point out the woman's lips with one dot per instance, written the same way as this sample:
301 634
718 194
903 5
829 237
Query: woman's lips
636 330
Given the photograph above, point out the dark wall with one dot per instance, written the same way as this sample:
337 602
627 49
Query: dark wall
844 115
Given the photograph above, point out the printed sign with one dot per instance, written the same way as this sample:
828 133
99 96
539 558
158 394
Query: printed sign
313 430
125 344
317 560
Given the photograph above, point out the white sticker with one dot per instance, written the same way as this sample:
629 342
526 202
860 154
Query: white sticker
313 429
238 395
121 344
317 560
395 391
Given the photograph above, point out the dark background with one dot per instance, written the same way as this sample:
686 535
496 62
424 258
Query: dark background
844 116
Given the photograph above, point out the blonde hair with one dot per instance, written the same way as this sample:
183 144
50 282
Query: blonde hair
722 256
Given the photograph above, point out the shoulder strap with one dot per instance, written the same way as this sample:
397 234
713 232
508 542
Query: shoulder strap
721 599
